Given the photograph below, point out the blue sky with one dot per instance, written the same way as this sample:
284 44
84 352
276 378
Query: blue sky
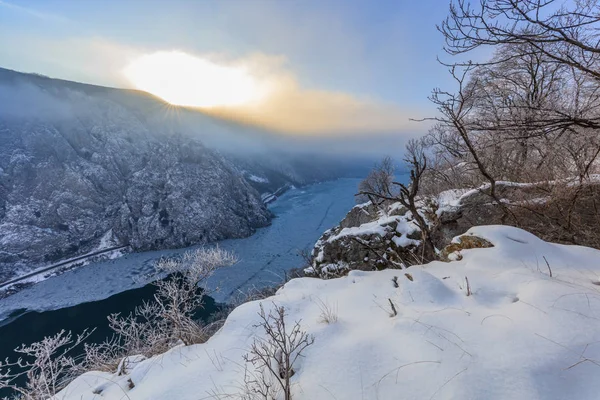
377 49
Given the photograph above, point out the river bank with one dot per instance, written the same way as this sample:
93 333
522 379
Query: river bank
301 214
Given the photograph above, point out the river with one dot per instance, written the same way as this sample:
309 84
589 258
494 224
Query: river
84 296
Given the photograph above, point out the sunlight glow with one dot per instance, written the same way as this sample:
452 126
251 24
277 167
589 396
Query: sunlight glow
185 80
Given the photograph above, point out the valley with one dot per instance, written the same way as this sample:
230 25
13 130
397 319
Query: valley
301 215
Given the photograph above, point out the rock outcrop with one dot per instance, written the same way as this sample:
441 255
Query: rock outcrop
372 238
368 238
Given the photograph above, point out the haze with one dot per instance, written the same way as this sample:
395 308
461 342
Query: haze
293 67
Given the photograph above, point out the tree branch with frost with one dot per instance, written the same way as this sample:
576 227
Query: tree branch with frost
169 319
47 366
278 352
180 295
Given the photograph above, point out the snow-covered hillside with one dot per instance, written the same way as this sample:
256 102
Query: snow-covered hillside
520 320
78 161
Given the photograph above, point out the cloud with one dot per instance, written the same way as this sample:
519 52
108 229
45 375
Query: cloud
290 108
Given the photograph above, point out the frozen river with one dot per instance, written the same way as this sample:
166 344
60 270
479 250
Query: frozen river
301 216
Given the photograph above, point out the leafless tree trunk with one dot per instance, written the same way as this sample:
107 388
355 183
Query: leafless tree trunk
378 181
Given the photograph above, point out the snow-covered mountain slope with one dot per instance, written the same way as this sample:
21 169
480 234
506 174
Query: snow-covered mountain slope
94 166
78 161
525 326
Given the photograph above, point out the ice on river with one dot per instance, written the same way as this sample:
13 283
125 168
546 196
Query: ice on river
302 215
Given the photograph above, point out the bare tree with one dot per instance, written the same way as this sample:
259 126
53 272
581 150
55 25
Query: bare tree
564 32
561 34
379 181
408 195
530 113
455 109
274 357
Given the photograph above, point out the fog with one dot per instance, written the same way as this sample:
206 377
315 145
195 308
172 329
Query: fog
38 98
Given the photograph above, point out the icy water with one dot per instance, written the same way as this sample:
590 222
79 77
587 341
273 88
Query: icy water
84 297
33 326
301 216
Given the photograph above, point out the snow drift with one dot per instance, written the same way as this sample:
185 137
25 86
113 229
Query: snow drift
526 326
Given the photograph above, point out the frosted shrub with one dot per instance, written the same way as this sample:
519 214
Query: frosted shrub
47 366
167 320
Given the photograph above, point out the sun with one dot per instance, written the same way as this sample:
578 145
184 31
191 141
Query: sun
185 80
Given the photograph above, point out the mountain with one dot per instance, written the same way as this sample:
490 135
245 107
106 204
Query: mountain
84 167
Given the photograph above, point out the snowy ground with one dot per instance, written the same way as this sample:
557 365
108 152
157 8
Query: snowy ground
301 216
527 331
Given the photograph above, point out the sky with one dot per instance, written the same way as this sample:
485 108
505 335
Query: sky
345 65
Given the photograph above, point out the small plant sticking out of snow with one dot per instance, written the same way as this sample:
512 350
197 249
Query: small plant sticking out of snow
468 287
329 312
393 307
275 355
548 265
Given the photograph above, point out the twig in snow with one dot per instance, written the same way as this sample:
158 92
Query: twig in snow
397 370
468 287
548 264
445 383
394 311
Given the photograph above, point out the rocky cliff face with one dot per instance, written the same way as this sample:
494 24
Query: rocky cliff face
83 166
368 238
371 238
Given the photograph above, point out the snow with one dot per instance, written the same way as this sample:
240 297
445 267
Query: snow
378 227
403 241
370 228
521 334
302 215
449 200
257 179
107 241
452 198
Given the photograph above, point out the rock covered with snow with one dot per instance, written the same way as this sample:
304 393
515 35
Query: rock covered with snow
385 236
368 238
500 323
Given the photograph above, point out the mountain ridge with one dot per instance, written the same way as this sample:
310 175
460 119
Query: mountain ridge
78 161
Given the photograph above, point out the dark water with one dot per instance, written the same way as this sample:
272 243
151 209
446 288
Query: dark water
302 216
31 326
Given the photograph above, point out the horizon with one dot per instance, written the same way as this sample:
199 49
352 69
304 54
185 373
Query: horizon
308 68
